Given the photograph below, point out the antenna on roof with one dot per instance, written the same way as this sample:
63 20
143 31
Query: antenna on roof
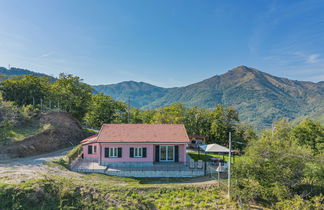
128 116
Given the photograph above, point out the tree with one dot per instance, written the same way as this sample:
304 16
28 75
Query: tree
72 95
197 121
173 114
27 90
275 168
271 170
224 121
310 133
103 109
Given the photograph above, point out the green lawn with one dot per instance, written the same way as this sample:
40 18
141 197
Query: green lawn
206 157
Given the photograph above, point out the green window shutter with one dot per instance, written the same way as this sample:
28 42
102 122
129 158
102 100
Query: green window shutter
89 149
157 153
119 152
107 152
176 151
144 152
131 152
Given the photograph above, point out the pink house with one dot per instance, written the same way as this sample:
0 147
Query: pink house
137 144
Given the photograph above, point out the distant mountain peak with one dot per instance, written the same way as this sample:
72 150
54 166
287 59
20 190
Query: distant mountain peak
243 68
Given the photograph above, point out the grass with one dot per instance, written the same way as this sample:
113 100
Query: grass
98 191
20 133
206 157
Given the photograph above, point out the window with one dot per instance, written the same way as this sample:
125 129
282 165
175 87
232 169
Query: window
113 152
90 149
94 149
137 152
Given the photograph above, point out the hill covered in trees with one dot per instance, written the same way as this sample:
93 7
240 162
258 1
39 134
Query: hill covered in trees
260 98
18 72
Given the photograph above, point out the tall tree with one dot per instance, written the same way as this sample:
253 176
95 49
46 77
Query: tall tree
103 109
72 95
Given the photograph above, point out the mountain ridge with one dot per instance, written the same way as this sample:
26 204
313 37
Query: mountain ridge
259 97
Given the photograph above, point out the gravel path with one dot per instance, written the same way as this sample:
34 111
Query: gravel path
20 169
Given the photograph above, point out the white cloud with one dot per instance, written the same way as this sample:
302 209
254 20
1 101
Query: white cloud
313 58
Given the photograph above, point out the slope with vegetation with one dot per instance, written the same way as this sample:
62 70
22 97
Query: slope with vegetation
13 73
283 170
99 192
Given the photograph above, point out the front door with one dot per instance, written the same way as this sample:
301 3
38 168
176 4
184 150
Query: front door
166 153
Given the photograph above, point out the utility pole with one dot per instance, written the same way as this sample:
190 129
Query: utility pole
128 115
229 165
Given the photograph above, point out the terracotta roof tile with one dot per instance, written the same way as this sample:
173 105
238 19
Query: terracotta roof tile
164 133
90 139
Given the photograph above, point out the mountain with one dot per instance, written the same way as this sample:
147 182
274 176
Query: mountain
140 93
14 72
259 97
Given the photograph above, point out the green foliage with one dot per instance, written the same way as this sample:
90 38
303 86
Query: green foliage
212 123
72 95
27 90
67 93
173 114
103 109
63 193
297 202
310 133
278 167
74 153
6 127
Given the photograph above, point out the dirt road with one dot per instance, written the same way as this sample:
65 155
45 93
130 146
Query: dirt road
20 169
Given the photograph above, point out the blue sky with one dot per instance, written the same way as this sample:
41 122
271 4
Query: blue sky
167 43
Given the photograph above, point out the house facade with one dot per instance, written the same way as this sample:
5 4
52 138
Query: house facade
137 144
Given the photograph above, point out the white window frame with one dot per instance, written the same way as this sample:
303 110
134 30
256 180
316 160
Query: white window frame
113 152
138 152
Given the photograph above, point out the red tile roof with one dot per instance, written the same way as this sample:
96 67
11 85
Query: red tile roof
163 133
90 139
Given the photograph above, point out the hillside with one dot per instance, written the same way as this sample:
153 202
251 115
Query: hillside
14 72
259 97
141 93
